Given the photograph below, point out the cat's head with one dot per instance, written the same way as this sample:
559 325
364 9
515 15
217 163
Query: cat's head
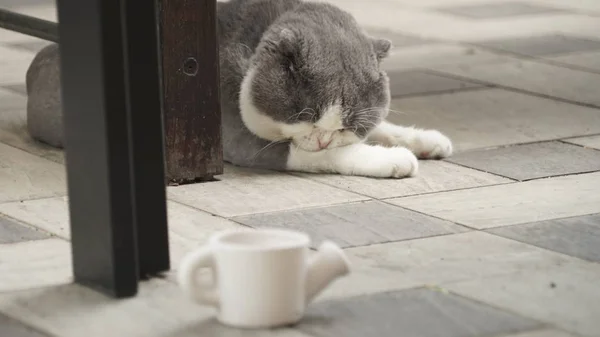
315 79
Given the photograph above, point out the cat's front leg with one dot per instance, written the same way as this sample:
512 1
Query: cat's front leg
425 144
356 159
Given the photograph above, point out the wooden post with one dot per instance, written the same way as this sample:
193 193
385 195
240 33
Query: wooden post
190 59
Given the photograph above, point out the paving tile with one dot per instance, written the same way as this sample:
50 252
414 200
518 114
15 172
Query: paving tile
17 136
213 328
33 264
12 231
45 11
409 17
498 10
399 40
245 191
14 328
13 72
188 228
438 56
566 296
11 53
544 45
440 259
29 46
355 224
14 4
590 142
589 61
10 101
14 64
512 204
434 176
416 82
577 236
49 214
13 127
15 88
25 176
582 6
496 117
416 312
574 85
541 333
531 161
161 305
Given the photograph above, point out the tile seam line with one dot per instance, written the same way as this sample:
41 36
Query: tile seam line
412 195
30 227
469 229
541 324
500 51
543 59
55 195
566 141
484 171
32 154
28 325
549 140
510 183
305 208
527 179
229 217
443 91
580 259
570 257
440 289
492 85
450 190
534 222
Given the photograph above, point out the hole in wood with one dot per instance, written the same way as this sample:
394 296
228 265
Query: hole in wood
190 66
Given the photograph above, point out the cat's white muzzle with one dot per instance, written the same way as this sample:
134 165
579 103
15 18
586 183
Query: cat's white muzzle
321 140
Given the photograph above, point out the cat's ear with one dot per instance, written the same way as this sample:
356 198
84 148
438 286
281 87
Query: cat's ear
282 41
286 43
381 47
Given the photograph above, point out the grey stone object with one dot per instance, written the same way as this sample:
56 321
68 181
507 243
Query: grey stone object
44 106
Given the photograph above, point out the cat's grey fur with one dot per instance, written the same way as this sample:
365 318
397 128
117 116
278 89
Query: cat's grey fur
307 55
301 89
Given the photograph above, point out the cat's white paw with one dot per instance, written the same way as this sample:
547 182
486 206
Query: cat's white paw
431 144
394 162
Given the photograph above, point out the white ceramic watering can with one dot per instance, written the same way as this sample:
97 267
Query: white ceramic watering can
261 278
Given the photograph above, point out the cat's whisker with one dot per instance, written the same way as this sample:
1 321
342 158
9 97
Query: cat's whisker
304 111
397 112
366 125
273 143
368 110
366 122
246 46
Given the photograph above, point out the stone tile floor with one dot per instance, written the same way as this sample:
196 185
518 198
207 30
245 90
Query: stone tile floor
503 239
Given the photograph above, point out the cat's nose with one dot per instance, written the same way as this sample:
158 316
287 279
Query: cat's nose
322 144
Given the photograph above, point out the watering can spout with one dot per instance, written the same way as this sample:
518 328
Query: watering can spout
328 264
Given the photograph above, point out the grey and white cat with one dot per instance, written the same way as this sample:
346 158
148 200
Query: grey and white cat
302 90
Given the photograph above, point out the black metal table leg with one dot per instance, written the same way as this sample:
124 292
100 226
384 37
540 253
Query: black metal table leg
114 163
97 150
145 103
